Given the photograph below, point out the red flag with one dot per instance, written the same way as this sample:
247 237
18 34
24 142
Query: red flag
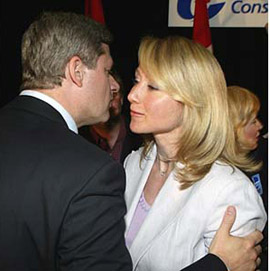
201 29
94 9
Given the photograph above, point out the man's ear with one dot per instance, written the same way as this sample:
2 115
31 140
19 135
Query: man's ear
75 68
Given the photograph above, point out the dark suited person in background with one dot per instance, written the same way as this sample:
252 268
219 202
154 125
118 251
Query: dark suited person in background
61 198
114 136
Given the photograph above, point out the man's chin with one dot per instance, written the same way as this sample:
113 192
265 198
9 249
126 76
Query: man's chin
106 117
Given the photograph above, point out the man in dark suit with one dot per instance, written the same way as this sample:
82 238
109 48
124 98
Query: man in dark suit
61 198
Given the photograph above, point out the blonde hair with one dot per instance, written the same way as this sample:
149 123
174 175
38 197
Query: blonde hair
190 74
243 107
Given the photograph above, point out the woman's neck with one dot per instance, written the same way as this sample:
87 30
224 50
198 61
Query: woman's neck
166 157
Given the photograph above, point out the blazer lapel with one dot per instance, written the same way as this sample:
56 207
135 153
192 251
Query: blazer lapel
164 212
137 191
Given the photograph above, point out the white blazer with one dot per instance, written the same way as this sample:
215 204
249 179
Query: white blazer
181 224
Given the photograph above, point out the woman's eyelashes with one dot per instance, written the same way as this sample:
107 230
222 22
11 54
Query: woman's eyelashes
135 81
150 86
254 121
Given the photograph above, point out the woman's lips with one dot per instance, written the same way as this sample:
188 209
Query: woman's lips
136 113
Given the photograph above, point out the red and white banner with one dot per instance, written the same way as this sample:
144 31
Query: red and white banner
222 13
201 29
94 9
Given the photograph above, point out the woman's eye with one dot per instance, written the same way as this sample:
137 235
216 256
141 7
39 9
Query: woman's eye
254 121
135 81
153 87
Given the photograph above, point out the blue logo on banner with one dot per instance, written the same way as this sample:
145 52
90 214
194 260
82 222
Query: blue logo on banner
257 182
184 9
240 7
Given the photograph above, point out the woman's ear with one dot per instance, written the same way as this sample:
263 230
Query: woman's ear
76 70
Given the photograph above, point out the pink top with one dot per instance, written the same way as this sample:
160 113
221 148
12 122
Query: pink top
140 214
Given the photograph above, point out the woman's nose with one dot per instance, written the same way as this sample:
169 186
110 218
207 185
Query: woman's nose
133 95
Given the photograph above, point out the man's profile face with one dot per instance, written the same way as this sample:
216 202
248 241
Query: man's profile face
116 105
117 99
97 92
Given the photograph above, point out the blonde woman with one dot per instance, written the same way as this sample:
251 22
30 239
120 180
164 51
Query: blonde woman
180 183
250 146
244 107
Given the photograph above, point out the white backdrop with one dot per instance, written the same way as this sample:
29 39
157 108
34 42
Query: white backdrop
222 13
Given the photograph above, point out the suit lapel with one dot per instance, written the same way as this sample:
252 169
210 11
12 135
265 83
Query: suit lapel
163 213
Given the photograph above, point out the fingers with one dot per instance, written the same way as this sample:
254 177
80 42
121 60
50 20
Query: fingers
228 220
255 237
258 261
258 249
251 251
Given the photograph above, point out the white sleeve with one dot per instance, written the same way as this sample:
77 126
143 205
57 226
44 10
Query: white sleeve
250 215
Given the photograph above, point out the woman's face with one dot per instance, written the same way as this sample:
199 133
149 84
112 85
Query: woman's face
252 132
151 109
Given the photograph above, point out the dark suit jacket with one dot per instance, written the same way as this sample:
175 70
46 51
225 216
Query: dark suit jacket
61 198
208 263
